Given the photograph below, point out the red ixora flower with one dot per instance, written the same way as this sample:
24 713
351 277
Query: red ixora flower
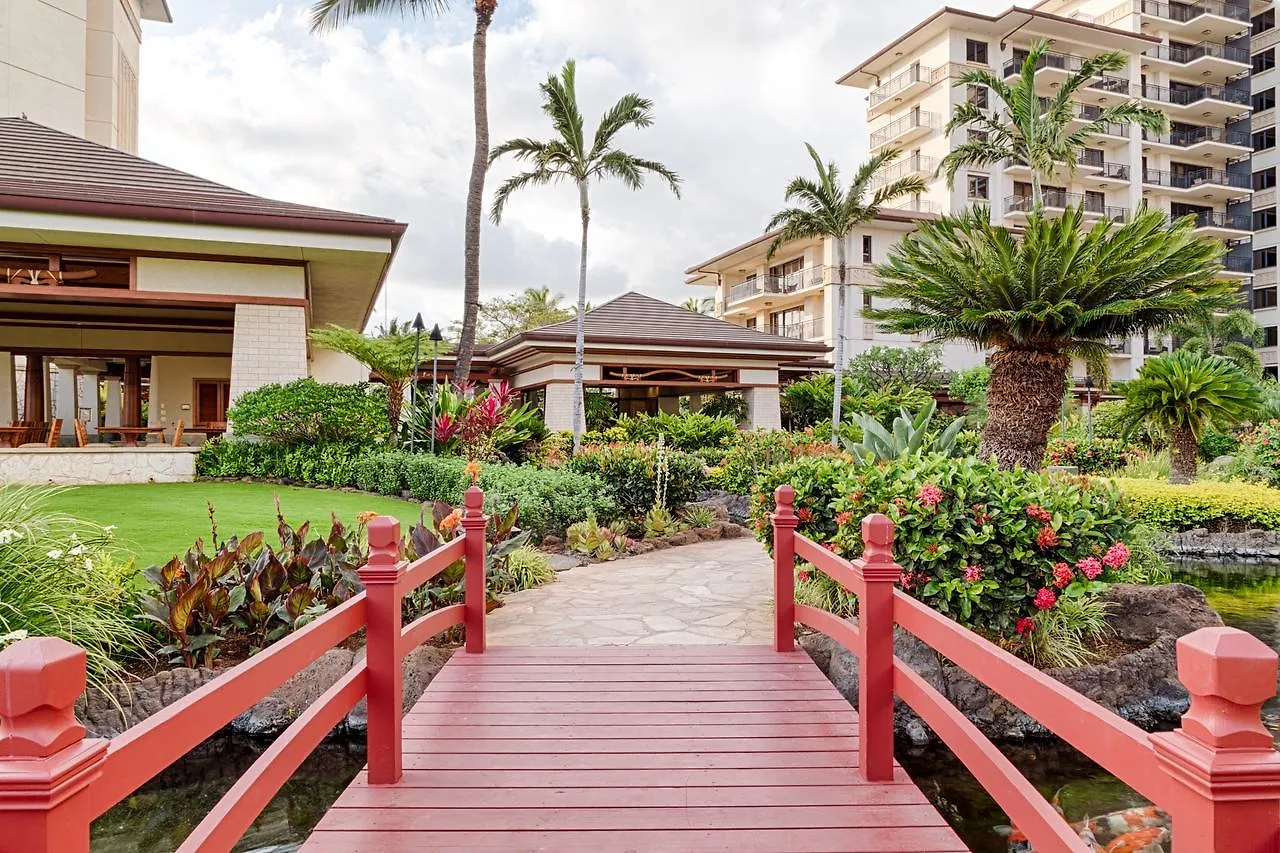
830 546
929 495
1117 555
1062 575
804 576
1025 625
973 574
931 548
843 518
1047 537
1039 513
804 514
1045 599
907 580
1090 567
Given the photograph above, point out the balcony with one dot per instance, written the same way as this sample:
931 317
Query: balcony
915 165
1205 102
901 87
916 205
1206 58
805 330
1186 21
776 285
1237 267
914 125
1056 201
1206 141
1063 62
1119 346
1090 164
1224 226
1208 184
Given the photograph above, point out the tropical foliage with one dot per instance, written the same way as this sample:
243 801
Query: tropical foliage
307 411
1208 504
571 156
481 425
910 434
1038 299
689 431
392 358
630 475
1232 335
822 210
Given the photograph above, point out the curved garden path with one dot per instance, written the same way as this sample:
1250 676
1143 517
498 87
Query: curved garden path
718 592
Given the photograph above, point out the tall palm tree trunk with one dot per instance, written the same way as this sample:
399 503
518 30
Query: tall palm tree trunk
1184 452
579 343
838 353
1037 192
1023 399
475 193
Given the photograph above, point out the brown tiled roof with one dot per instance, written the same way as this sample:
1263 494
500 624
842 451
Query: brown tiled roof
634 318
42 169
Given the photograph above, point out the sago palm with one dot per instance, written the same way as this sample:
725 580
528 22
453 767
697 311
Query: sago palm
1038 298
1232 335
574 156
1025 130
823 209
1185 392
388 356
333 13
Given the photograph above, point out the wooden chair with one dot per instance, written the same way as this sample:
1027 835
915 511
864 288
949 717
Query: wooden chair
82 434
177 433
40 437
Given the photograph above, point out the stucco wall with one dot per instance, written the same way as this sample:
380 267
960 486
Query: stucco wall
187 276
172 387
42 61
330 366
91 466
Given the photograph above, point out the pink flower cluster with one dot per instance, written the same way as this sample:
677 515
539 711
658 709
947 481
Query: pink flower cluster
972 574
1047 537
1025 625
908 580
1117 555
1062 575
843 518
930 495
1045 599
1090 567
1039 513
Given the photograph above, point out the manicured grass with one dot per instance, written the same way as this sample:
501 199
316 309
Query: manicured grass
157 521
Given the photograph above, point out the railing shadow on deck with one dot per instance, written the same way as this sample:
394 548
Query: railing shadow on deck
1218 775
54 782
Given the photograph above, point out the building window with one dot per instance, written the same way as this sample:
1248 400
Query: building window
1264 61
977 136
1264 179
1269 336
1264 219
977 95
1264 100
866 248
1272 371
1264 258
1264 297
1264 22
866 299
751 322
976 51
979 187
1264 139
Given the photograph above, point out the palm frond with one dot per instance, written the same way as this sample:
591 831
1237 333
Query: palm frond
534 178
331 14
630 111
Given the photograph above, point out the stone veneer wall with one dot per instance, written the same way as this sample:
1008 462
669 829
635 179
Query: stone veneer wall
269 345
94 466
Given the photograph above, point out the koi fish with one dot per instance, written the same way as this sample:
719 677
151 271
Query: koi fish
1143 829
1150 840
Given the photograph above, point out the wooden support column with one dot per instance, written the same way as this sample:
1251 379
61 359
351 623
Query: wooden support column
381 577
132 414
33 406
784 568
875 666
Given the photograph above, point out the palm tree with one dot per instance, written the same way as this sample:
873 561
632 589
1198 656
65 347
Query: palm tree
388 356
572 156
698 306
823 209
1035 132
1232 335
1185 392
333 13
1040 298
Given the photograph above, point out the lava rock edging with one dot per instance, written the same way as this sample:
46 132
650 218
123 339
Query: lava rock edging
1247 545
1141 686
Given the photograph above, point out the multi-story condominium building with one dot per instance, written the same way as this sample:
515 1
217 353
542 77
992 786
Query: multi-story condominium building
1262 46
1191 60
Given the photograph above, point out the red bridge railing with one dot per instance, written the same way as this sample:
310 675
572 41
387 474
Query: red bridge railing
1218 776
54 782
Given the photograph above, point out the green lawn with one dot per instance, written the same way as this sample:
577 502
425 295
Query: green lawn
155 521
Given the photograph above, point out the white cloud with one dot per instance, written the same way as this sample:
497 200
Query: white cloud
377 119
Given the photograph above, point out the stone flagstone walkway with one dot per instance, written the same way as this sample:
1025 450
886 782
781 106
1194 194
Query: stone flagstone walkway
711 593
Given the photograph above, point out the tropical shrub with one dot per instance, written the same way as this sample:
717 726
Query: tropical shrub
1257 455
896 367
735 468
601 541
319 464
970 385
818 589
731 405
549 499
885 404
525 568
807 402
985 546
1209 504
1214 444
688 432
1100 455
481 425
600 410
629 474
435 478
61 577
910 434
309 411
381 472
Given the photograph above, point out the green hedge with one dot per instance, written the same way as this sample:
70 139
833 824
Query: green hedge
1206 503
309 411
688 432
629 474
328 464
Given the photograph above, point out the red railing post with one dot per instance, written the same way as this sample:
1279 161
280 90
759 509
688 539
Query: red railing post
875 665
46 764
476 596
1222 763
784 568
385 678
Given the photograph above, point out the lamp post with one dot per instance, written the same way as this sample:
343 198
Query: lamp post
435 338
1088 412
418 327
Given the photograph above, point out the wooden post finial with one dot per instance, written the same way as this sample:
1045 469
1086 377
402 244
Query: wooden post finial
40 680
383 565
784 514
473 514
1229 674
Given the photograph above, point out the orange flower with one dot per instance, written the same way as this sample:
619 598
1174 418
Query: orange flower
473 471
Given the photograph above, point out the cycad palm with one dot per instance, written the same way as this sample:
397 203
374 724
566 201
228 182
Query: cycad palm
1040 298
823 209
572 156
1039 135
1185 392
333 13
1232 335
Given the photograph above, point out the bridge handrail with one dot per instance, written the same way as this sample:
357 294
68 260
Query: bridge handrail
1218 775
54 782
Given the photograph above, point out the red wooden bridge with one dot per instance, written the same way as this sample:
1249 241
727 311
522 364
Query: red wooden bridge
664 748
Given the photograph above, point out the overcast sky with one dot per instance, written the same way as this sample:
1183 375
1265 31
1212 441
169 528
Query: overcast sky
376 118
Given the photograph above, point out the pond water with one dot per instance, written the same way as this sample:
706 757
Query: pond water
160 815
